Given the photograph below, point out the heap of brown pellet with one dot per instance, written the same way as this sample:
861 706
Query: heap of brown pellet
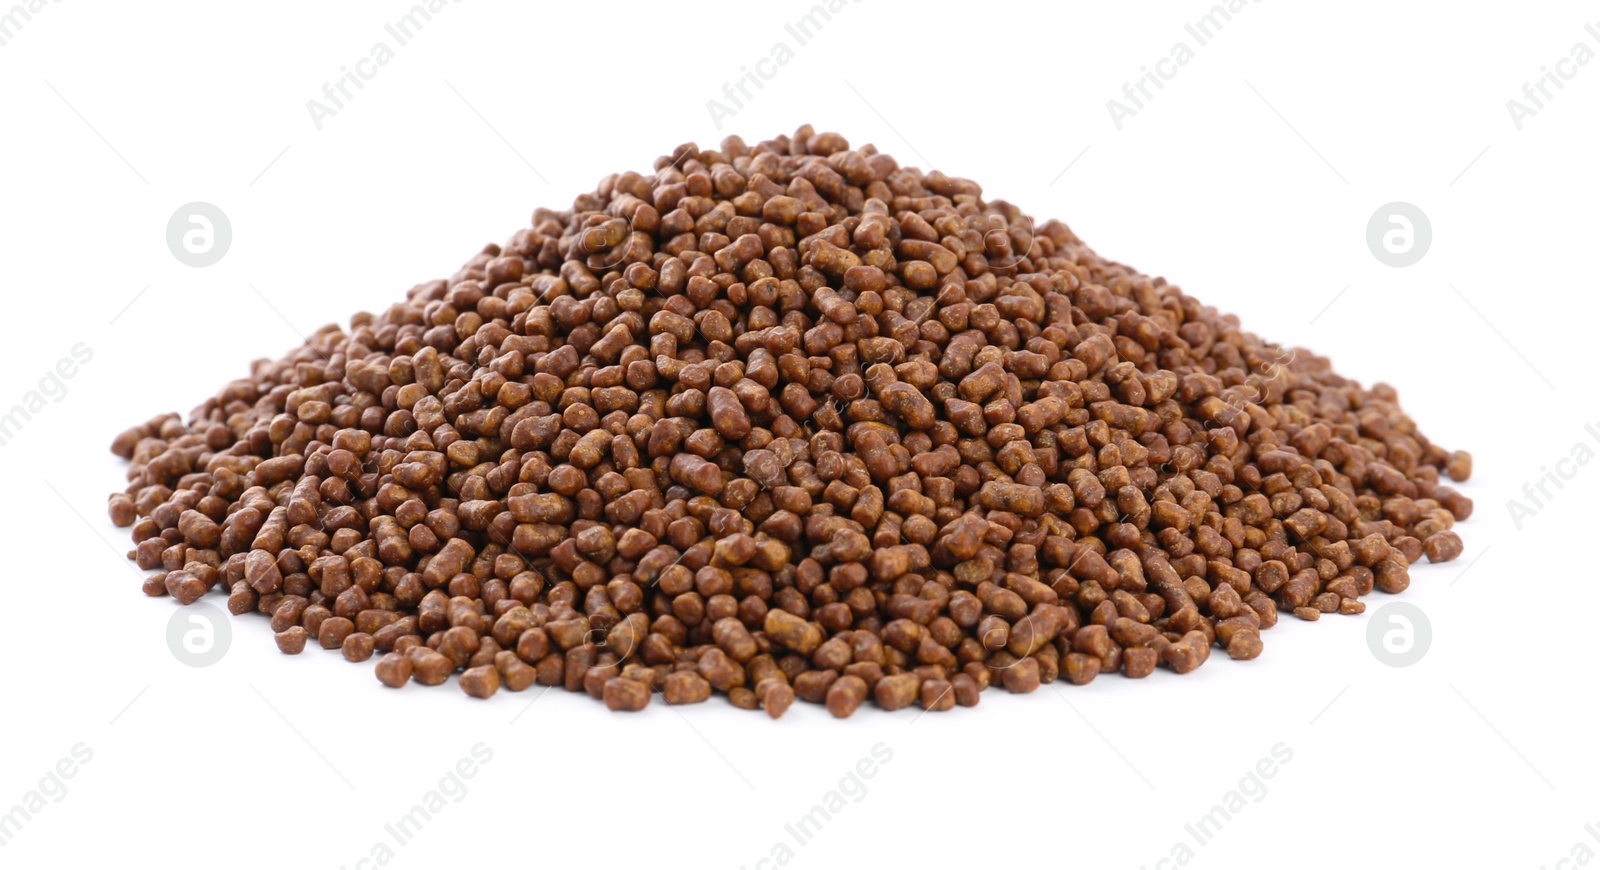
787 421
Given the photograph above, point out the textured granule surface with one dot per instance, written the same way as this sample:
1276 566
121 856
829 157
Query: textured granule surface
787 421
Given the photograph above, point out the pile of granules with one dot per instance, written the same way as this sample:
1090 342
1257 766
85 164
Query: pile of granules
787 421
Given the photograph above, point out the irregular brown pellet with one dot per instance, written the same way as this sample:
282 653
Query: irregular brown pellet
242 599
1187 653
515 674
120 507
394 669
776 695
1139 661
481 681
793 632
936 695
845 695
358 647
685 687
185 587
1442 546
1392 576
965 690
1022 676
894 692
429 667
333 631
625 694
292 640
1080 669
720 671
1244 645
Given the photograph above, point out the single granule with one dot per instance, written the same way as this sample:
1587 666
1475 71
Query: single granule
481 681
621 693
292 640
394 669
786 422
357 647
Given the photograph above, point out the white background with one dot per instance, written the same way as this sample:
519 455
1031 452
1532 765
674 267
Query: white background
1249 180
